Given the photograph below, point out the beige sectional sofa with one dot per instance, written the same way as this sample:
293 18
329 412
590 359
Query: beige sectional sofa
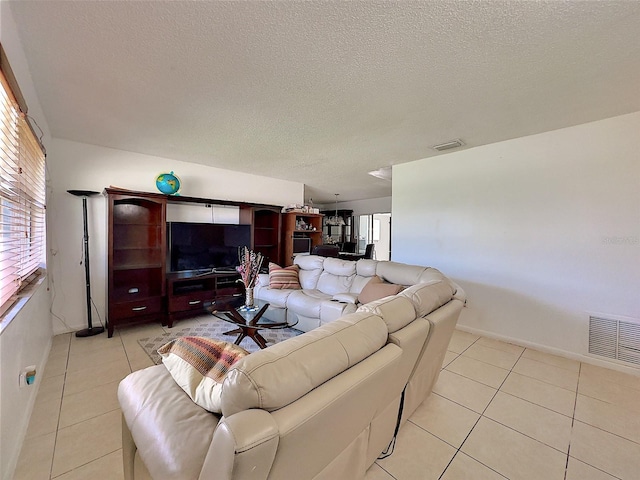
330 288
321 405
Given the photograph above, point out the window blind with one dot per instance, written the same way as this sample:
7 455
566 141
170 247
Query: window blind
22 198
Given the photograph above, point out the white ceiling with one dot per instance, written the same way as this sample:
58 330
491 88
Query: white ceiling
323 92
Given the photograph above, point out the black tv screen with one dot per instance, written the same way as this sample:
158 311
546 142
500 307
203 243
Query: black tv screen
205 246
301 245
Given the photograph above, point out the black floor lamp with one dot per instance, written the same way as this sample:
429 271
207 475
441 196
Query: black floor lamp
90 330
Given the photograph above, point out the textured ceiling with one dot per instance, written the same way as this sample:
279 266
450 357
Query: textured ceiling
323 92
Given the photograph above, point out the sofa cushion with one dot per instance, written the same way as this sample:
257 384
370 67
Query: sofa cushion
426 297
396 311
276 298
277 376
309 262
198 365
366 268
156 411
307 302
337 276
283 278
376 289
341 268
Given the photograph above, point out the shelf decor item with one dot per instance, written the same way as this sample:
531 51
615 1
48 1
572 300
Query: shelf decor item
168 183
249 268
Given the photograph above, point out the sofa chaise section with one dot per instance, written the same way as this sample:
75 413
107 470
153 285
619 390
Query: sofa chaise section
298 409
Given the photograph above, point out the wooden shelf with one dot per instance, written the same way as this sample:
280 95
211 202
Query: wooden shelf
290 230
136 258
267 224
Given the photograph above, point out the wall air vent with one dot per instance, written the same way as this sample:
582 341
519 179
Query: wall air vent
449 145
615 339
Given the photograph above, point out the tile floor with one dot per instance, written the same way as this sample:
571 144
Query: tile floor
498 411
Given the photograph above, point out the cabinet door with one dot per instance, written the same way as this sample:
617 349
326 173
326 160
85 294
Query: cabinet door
136 283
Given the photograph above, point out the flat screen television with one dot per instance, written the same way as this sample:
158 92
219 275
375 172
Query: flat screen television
205 246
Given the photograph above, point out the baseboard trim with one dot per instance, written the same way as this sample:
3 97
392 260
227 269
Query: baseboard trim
592 360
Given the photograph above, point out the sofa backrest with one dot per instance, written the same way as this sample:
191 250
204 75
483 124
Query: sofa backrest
428 296
420 320
399 273
337 276
279 375
311 267
394 272
434 301
365 269
431 274
396 312
442 322
326 274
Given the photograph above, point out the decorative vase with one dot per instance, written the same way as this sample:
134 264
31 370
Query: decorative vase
248 301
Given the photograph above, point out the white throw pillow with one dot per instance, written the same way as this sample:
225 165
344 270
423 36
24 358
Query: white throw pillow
199 365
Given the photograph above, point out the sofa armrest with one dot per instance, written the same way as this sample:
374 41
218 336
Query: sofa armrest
331 310
263 280
459 294
346 297
243 447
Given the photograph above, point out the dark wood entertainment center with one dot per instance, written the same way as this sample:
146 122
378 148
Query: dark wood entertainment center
139 286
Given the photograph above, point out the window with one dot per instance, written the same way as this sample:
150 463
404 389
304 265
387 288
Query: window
22 196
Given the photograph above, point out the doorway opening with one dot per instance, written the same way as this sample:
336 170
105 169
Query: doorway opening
375 229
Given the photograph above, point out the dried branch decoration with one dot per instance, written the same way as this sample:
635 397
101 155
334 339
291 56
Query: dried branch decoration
249 268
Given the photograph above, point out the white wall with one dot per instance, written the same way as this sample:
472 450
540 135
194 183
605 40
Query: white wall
540 231
27 339
88 167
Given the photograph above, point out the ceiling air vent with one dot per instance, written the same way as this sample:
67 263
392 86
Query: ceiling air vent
615 339
449 145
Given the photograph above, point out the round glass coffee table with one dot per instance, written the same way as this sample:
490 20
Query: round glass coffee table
248 321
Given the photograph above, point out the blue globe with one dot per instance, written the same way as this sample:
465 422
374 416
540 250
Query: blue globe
168 183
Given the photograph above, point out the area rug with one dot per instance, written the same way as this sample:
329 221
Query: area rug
214 329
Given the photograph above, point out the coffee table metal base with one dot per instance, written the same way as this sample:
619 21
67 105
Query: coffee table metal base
247 331
251 328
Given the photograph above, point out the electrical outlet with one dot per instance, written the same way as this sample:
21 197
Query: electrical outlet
27 377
